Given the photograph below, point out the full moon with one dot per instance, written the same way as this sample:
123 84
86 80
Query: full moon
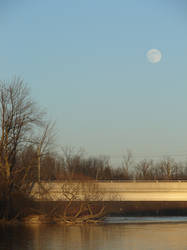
154 55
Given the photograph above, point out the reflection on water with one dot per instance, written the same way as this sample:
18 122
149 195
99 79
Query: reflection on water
108 236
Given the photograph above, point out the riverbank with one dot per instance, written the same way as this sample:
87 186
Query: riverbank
125 208
52 212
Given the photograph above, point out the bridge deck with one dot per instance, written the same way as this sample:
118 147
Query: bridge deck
117 190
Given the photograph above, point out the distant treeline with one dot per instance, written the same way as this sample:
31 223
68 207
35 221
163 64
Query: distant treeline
74 165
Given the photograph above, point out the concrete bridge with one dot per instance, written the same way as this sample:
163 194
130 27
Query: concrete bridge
112 190
146 190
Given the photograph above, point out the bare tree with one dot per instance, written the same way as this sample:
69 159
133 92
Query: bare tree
127 163
77 201
143 170
19 118
168 168
71 161
43 143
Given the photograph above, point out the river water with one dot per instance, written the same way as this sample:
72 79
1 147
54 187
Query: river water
116 233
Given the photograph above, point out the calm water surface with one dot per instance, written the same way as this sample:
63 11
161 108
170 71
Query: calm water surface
115 234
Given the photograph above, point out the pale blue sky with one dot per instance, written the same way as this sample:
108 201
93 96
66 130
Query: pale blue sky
85 63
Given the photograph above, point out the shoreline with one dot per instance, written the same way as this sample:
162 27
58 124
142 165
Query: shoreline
107 220
42 212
